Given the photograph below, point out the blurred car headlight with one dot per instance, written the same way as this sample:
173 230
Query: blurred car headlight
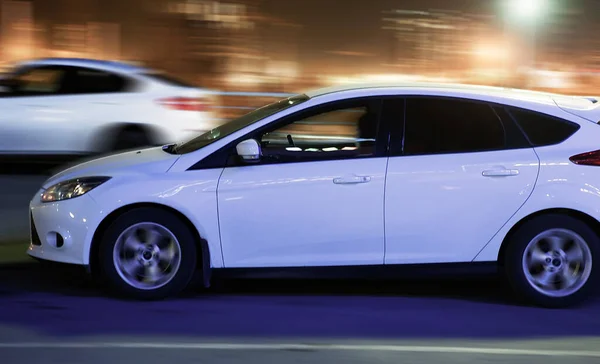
72 188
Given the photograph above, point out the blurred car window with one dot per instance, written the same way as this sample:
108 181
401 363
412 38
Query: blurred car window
91 81
43 80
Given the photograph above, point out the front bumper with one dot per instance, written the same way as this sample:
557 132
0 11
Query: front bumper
62 231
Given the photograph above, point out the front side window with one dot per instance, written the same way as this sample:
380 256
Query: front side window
441 125
342 130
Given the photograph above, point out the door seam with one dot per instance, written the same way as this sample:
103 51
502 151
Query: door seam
219 216
517 211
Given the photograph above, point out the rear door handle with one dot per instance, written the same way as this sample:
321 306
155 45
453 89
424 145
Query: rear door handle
351 180
500 172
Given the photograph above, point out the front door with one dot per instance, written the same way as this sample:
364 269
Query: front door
316 196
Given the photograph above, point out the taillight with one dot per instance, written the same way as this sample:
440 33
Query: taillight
184 103
587 159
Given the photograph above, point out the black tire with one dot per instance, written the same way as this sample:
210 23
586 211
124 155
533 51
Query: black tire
516 249
130 138
108 270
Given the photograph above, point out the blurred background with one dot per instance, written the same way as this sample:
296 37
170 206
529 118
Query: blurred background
246 53
292 45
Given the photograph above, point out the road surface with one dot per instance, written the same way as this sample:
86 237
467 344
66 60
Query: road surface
57 315
16 191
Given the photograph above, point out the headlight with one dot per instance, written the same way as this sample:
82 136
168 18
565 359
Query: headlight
72 188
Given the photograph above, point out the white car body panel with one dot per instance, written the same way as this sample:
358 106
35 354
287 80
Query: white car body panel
434 202
560 185
293 214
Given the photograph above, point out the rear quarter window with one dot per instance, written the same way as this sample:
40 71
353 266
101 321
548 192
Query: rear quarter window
542 129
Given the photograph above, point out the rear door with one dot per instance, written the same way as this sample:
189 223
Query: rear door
457 172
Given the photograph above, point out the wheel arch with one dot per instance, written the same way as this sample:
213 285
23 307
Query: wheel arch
203 253
589 220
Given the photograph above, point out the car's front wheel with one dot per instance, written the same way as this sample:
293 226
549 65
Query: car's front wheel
147 253
550 260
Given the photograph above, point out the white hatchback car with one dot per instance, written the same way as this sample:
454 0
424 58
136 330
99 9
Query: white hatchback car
364 177
62 106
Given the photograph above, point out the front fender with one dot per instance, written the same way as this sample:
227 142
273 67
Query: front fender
192 194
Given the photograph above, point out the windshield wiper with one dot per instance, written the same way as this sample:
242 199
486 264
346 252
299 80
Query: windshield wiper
170 148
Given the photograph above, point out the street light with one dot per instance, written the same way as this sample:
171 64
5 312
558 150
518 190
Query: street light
527 13
527 8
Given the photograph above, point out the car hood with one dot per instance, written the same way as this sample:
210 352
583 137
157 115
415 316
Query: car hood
150 160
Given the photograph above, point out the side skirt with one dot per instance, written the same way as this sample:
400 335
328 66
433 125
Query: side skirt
378 272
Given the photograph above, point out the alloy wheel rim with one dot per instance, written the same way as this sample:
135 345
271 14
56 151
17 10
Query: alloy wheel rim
147 255
557 262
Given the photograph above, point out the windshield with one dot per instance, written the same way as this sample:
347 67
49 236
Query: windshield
238 124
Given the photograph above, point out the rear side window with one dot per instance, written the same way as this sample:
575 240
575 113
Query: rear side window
91 81
440 125
542 129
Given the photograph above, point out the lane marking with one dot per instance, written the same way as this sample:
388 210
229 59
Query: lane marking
312 347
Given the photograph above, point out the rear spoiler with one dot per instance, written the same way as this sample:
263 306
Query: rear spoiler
586 107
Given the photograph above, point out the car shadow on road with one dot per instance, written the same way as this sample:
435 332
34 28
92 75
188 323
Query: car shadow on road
43 277
64 301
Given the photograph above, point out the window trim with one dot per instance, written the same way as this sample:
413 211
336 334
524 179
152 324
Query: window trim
512 129
226 156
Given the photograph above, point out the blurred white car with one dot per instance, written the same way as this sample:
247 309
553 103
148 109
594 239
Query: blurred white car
66 106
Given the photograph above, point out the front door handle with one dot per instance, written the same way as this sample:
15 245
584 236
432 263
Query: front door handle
351 180
500 172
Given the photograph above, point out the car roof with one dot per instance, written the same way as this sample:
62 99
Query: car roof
432 86
115 66
587 107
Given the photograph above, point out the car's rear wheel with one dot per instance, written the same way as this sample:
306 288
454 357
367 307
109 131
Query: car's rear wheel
147 253
550 260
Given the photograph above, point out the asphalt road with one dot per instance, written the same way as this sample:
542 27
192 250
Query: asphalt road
57 315
15 193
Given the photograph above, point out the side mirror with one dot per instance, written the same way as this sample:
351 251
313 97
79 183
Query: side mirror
249 150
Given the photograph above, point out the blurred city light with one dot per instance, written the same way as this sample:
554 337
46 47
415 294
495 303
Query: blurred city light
527 8
492 52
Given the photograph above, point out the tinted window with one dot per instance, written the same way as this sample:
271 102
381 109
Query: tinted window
91 81
542 129
439 125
